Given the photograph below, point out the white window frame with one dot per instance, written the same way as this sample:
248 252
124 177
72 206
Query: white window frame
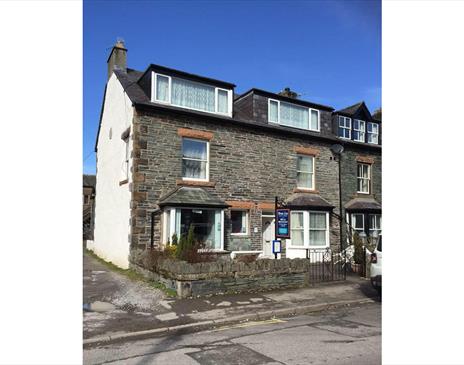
172 226
247 222
371 230
154 95
363 178
361 131
373 134
306 230
363 223
207 158
269 100
344 126
313 181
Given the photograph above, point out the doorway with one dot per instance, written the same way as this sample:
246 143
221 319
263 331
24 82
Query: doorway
268 229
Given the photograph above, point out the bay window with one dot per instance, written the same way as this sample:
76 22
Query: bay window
195 159
305 172
309 229
191 94
357 222
375 225
373 133
207 225
364 178
291 115
344 127
239 220
359 129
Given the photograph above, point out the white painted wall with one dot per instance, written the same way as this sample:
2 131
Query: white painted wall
112 201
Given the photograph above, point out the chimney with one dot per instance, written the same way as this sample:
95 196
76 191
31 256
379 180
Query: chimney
289 93
118 58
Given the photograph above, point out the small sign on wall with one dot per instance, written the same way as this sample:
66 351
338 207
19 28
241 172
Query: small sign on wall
276 247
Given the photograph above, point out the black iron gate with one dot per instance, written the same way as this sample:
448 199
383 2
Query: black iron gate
326 265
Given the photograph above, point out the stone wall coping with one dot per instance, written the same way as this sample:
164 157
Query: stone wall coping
182 270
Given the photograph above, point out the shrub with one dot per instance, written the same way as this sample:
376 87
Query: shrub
174 239
247 258
358 249
170 251
180 248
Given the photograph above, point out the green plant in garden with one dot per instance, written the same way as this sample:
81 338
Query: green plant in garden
358 249
180 248
190 242
174 239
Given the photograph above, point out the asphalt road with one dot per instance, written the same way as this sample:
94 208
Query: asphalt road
342 336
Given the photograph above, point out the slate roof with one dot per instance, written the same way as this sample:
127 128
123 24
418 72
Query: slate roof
89 180
363 204
192 197
305 200
351 110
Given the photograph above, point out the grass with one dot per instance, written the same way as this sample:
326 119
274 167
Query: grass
132 275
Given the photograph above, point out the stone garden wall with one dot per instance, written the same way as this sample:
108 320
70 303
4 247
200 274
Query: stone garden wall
228 276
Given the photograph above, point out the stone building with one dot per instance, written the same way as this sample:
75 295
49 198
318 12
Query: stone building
176 149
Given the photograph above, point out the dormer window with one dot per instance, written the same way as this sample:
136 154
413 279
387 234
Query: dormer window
292 115
373 133
359 130
191 95
344 127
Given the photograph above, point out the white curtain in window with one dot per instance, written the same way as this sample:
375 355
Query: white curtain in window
294 116
192 95
162 88
194 159
317 229
223 101
273 111
314 120
305 172
297 229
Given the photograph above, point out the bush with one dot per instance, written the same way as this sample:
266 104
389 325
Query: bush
174 239
170 251
358 249
180 248
247 258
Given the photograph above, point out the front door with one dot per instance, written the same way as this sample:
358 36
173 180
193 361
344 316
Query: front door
268 236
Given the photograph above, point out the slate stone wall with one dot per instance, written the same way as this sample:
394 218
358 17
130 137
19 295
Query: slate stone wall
228 276
245 165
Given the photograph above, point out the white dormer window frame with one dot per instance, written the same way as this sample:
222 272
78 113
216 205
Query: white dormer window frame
310 110
154 96
361 130
373 137
343 125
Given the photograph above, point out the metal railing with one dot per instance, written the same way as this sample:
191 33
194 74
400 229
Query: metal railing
327 264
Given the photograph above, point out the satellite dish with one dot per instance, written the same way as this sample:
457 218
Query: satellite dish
337 148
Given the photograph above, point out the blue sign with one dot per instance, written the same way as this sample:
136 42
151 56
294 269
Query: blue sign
283 223
276 246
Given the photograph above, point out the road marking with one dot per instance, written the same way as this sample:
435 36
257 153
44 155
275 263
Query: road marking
250 324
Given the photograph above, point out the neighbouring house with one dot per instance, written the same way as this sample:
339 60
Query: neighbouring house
361 170
175 149
88 196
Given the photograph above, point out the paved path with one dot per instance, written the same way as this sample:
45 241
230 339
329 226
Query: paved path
140 307
135 303
344 336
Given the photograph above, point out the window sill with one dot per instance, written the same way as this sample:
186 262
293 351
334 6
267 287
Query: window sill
122 182
195 183
301 190
239 235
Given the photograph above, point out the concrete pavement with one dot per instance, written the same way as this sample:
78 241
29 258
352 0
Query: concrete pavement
160 315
